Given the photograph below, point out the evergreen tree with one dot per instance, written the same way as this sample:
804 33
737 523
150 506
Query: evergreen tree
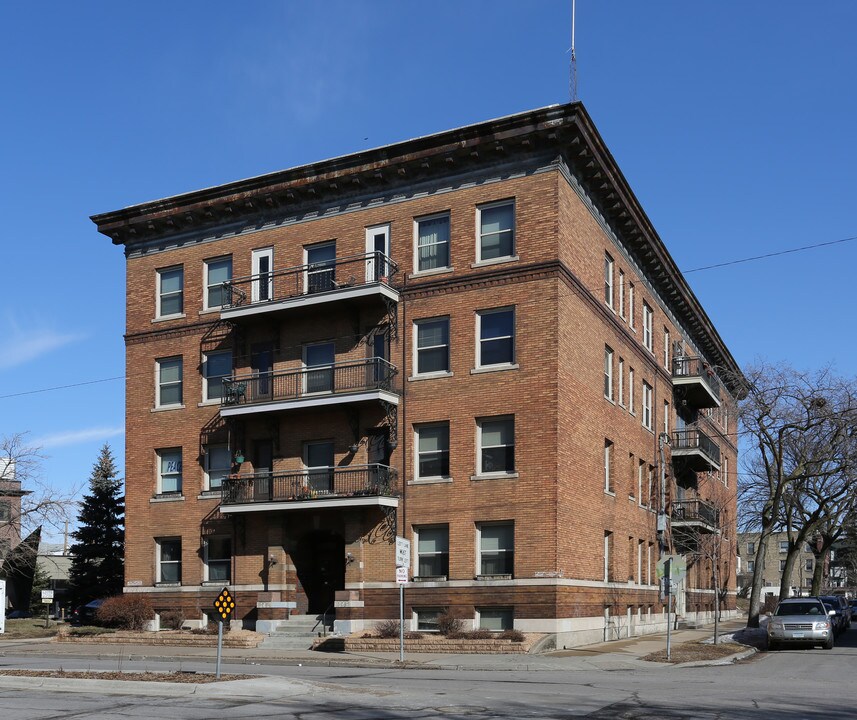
97 565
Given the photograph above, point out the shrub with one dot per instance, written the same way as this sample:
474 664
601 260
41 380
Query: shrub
449 625
172 619
480 634
513 635
89 631
387 629
128 612
413 635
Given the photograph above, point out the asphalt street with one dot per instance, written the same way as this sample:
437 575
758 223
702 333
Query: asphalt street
787 685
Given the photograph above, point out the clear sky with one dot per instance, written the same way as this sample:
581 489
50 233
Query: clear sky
734 123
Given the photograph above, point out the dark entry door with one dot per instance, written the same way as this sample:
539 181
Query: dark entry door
262 364
320 566
263 461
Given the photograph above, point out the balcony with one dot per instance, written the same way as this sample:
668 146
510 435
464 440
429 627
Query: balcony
696 381
695 515
692 449
353 279
351 381
336 487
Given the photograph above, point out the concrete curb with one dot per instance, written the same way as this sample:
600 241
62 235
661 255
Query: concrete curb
727 660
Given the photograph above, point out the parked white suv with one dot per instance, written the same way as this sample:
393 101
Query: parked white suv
801 620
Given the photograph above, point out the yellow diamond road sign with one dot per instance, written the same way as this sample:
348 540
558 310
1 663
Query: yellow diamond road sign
224 605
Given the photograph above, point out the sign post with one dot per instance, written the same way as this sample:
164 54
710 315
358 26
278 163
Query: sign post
670 569
47 599
224 605
403 562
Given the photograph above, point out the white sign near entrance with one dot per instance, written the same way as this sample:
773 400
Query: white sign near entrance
402 575
403 552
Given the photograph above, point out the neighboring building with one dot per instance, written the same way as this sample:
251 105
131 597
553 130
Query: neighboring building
10 507
54 561
774 563
473 340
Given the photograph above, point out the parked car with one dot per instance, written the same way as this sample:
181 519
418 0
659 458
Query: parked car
18 615
801 620
843 611
85 614
853 608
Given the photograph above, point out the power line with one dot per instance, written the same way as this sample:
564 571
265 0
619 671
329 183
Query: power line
770 255
62 387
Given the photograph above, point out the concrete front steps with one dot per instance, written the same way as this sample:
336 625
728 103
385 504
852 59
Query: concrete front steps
297 633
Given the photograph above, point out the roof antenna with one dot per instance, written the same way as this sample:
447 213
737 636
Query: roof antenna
572 79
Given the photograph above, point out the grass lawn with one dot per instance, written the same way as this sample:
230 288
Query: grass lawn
693 651
28 628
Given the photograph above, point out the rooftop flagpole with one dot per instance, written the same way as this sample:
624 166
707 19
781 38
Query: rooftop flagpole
572 80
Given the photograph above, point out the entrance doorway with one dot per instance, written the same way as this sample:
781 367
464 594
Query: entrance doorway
320 566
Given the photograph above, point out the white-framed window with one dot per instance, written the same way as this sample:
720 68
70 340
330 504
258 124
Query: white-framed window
432 448
621 382
378 253
169 379
608 373
169 471
496 442
431 242
608 466
751 566
641 467
431 346
262 264
168 560
647 405
649 553
432 543
725 472
666 348
647 326
784 546
217 464
496 548
217 272
639 577
170 292
751 548
666 417
631 391
318 359
608 548
650 491
426 618
495 224
496 619
217 555
215 367
495 330
608 279
631 305
632 465
622 294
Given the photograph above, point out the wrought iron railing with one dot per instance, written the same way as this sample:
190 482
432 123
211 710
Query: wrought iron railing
338 378
695 509
325 276
697 367
694 439
311 484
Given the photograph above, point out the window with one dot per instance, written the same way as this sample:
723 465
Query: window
608 279
608 373
497 619
432 551
170 292
496 331
632 464
666 348
751 548
621 378
217 272
621 294
725 472
631 304
170 471
496 231
640 486
608 466
215 367
751 566
649 554
647 405
432 451
496 438
496 549
169 382
809 548
639 562
5 511
808 565
218 559
647 326
432 346
218 464
666 417
784 546
652 490
631 390
169 566
318 367
782 565
432 243
321 267
427 618
608 547
319 461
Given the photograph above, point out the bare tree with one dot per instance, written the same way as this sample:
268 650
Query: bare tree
798 430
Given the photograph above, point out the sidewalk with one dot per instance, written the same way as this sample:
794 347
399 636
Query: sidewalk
617 655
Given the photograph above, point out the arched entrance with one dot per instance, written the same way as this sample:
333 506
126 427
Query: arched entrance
319 560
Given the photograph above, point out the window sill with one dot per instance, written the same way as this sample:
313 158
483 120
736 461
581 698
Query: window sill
215 583
494 261
610 400
209 311
494 368
430 481
167 318
167 584
494 476
430 376
428 273
633 499
429 578
209 495
209 403
162 497
165 408
501 576
611 493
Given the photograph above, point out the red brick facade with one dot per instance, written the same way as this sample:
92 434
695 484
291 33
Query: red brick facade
296 552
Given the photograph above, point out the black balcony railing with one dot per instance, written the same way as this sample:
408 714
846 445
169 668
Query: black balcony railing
695 439
694 511
695 367
326 276
313 484
339 378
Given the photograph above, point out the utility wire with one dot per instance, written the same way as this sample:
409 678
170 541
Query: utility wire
62 387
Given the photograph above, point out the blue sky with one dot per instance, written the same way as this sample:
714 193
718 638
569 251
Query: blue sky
732 121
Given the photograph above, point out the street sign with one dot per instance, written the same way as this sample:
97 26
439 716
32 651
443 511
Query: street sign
224 605
403 552
678 568
402 575
47 597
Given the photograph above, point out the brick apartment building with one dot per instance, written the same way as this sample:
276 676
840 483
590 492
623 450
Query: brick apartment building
473 340
10 507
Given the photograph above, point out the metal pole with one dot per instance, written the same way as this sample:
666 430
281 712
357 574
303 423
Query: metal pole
219 647
401 623
668 585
